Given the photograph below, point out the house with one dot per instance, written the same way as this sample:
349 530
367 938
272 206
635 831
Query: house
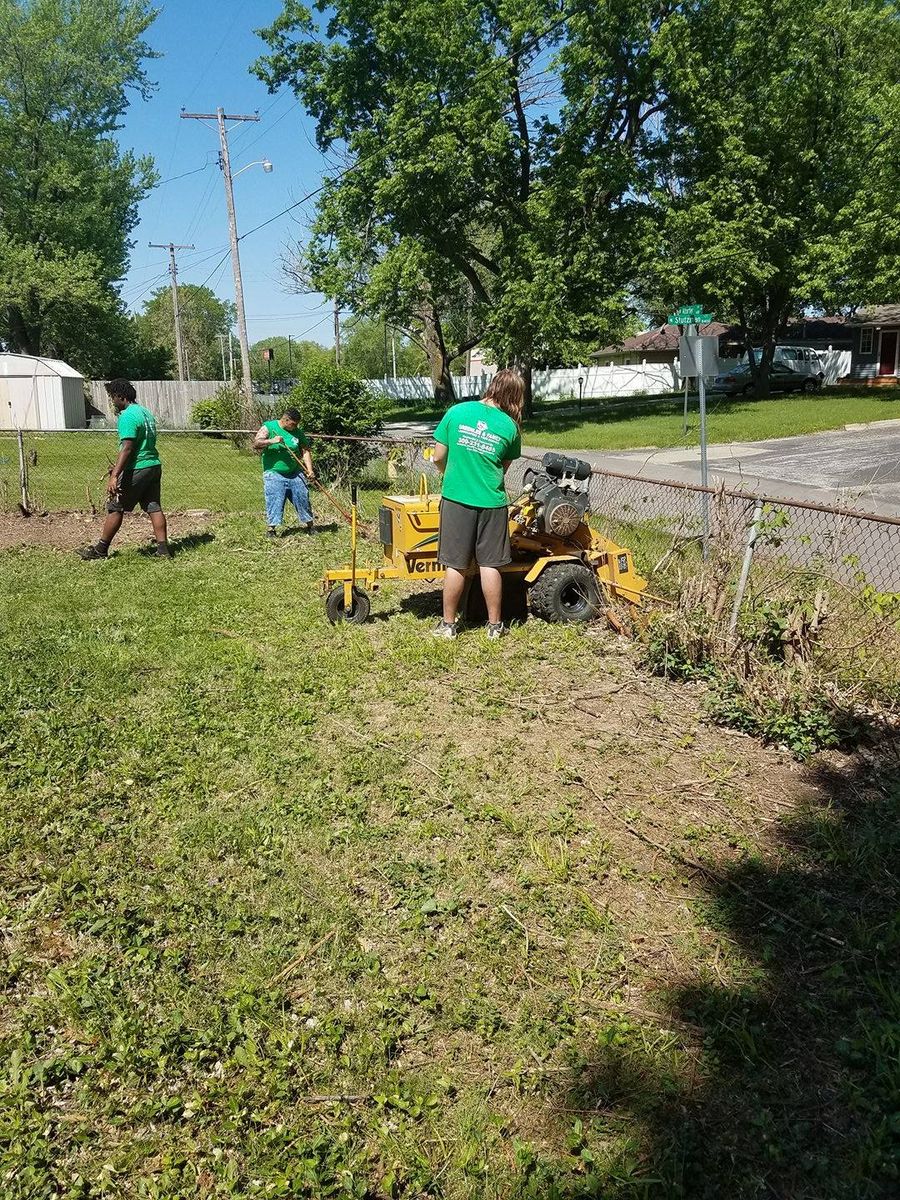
658 345
40 393
811 345
875 354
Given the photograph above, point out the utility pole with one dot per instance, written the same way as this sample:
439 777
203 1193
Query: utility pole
337 334
220 117
221 337
176 311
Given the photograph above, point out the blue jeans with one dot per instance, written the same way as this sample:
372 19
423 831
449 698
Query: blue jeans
277 488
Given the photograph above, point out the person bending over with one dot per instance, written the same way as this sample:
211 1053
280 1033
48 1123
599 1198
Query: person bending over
136 476
474 445
281 443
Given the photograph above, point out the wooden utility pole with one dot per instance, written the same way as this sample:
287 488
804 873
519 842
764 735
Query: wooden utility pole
220 117
337 334
176 311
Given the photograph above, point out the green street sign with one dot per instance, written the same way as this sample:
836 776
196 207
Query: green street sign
690 314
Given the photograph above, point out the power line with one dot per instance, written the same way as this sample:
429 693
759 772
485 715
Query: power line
386 145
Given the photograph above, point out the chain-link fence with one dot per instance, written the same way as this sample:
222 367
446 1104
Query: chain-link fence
662 521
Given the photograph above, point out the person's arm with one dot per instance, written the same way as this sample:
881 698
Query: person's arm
262 439
439 456
308 463
126 449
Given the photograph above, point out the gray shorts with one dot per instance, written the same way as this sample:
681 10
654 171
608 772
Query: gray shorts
479 533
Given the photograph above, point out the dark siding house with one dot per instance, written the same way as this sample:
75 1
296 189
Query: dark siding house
876 344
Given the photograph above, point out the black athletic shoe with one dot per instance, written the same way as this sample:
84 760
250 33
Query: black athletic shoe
164 550
272 532
89 553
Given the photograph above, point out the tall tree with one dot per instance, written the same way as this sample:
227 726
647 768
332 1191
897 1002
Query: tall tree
203 318
778 188
368 349
288 362
68 194
454 204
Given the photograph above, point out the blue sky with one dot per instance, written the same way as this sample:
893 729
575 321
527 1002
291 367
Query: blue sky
207 47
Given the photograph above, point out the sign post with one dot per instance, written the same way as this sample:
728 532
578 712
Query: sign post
696 356
268 354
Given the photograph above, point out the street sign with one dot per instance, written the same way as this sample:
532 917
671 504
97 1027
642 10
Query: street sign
698 356
690 314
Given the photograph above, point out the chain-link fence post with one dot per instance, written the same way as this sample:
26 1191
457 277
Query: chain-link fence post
752 535
23 473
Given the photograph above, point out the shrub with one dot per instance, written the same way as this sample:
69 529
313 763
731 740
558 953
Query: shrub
221 411
333 401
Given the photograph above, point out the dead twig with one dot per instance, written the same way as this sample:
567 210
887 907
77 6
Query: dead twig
301 959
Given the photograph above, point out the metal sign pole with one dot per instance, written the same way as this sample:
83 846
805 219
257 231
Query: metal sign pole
704 471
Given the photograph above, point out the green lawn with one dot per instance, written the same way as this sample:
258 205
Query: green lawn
660 422
69 471
297 911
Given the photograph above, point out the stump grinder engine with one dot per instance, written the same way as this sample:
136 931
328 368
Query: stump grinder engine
567 571
558 495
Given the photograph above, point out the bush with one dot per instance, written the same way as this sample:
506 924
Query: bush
221 411
333 401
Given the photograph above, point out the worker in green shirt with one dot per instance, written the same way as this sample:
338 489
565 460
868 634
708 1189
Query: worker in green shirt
283 444
475 444
136 476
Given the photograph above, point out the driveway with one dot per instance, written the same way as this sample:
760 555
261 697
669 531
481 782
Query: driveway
856 468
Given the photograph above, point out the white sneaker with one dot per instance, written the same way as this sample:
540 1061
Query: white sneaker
495 632
445 630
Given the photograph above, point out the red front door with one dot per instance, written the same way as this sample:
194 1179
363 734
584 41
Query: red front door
887 361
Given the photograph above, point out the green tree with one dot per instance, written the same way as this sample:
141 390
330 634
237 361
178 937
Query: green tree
68 194
333 401
778 188
368 347
203 318
288 362
468 209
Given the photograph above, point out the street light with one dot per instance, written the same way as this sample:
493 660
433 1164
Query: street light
260 162
580 390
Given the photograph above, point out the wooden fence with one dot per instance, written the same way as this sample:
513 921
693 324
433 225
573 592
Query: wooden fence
169 400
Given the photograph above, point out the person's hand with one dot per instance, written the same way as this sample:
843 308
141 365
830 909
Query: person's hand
112 488
276 439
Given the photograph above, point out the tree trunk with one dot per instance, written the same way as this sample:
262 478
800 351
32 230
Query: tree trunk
438 359
24 339
525 370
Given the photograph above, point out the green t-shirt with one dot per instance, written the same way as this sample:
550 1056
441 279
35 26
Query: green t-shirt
139 424
276 458
479 440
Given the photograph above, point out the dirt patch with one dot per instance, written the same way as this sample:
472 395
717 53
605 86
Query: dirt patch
69 530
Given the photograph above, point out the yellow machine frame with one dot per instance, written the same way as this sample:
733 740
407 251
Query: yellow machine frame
408 526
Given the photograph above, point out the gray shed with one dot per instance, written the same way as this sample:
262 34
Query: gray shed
40 393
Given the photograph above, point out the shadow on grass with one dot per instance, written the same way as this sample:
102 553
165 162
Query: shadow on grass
785 1085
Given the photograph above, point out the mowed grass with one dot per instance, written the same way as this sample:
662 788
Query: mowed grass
659 423
68 471
290 910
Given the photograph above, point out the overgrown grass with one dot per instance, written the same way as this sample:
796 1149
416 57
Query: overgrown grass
660 422
300 911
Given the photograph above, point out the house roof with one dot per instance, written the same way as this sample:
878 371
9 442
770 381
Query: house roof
807 329
878 314
25 366
664 337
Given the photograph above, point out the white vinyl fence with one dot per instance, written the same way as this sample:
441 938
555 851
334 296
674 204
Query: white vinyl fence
598 383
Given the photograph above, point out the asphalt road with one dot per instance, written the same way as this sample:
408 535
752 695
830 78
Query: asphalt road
853 468
848 468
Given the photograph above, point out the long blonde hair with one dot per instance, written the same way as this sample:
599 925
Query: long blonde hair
507 391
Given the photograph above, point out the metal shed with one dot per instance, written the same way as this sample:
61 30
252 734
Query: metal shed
40 393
